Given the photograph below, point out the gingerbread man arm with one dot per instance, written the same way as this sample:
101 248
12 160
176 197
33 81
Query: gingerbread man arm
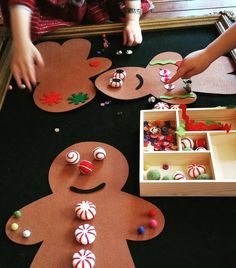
33 219
139 209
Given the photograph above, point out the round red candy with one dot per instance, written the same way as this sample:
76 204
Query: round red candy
94 63
153 223
86 167
152 212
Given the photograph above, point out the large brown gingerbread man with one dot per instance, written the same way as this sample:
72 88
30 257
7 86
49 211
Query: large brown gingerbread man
116 219
64 82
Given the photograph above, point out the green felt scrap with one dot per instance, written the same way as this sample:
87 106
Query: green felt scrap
78 98
185 96
162 62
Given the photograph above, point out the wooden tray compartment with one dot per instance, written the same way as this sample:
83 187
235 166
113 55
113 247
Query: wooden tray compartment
219 158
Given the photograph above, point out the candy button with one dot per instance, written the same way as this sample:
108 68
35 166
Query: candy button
165 79
165 72
169 86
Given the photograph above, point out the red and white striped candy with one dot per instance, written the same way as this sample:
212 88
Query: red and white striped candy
174 106
99 153
165 79
85 234
119 73
72 157
187 143
161 106
179 175
165 72
83 259
86 167
85 210
115 82
201 149
195 170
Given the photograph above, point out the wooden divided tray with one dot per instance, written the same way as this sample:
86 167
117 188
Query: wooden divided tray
172 156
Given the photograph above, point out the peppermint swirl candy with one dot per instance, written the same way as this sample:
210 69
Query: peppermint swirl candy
72 157
85 210
83 259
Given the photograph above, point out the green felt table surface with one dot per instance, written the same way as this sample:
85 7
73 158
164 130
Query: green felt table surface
199 231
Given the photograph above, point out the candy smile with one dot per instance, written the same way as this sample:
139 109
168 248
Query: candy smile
140 78
87 191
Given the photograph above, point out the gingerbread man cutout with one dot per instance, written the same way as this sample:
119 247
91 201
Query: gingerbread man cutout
52 219
140 82
64 82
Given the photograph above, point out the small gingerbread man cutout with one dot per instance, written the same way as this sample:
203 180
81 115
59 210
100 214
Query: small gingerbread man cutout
53 220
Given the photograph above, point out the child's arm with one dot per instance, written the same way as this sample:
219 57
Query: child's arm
198 61
25 54
132 34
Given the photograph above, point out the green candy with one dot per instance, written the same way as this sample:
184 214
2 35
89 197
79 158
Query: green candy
187 149
17 214
168 177
203 176
153 174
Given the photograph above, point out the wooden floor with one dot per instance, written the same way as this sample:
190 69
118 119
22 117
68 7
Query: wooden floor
186 8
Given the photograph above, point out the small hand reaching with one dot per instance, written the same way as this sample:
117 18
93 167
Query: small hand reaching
25 57
132 34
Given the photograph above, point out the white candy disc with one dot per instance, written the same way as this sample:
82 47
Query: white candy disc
161 106
201 149
195 170
26 234
85 210
85 234
83 259
179 175
169 86
72 157
99 153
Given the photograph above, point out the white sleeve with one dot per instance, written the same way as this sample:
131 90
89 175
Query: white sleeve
23 7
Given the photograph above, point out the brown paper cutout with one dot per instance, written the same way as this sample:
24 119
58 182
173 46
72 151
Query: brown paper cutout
52 219
216 79
151 82
67 71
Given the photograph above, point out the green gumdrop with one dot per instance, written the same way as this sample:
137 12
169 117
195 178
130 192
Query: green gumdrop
168 177
153 174
203 176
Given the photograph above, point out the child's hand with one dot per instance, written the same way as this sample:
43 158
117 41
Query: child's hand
25 57
132 34
192 64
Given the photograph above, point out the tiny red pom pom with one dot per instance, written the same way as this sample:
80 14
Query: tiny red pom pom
94 63
152 212
153 223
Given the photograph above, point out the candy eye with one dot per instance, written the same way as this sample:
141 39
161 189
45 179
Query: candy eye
115 82
119 73
99 153
72 157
